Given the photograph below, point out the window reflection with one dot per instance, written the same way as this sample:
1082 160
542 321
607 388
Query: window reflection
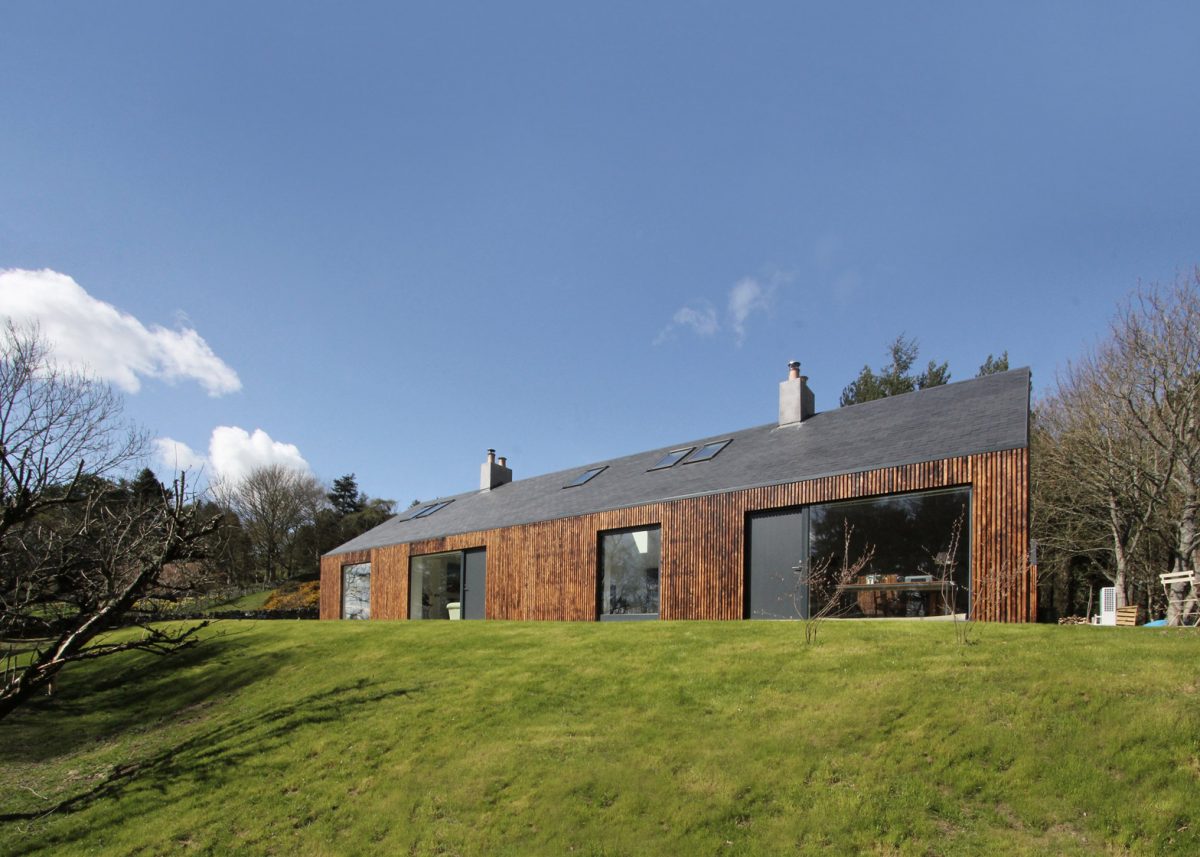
629 561
917 568
435 586
356 591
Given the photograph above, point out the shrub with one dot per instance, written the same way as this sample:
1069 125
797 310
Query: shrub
295 596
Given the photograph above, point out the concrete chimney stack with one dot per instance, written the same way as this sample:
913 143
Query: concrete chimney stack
796 403
493 473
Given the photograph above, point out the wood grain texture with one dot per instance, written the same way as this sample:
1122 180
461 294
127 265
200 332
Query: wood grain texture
548 570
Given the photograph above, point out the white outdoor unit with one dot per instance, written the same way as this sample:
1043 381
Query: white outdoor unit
1108 606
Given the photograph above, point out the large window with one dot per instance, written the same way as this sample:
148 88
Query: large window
435 587
908 554
447 585
356 591
904 555
629 561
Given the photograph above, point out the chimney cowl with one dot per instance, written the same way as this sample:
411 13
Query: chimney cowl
796 402
493 473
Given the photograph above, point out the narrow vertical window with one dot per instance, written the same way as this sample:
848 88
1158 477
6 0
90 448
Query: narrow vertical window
356 591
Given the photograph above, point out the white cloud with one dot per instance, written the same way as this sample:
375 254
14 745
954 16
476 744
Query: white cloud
176 456
748 295
232 453
701 318
94 336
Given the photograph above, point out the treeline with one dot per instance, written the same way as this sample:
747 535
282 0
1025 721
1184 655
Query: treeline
1116 461
277 521
1115 456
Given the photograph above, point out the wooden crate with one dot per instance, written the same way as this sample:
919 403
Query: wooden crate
1131 616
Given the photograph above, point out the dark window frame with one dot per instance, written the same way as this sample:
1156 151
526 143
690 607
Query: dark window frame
586 476
342 599
684 452
430 509
414 558
694 457
601 616
806 522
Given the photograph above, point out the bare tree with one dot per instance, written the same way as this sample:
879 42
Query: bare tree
1101 478
824 584
273 502
55 426
1117 447
76 550
1158 332
81 575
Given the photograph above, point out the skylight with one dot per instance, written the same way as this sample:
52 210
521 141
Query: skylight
430 509
671 458
708 451
586 476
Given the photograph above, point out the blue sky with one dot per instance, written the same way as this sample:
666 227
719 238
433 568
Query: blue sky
410 233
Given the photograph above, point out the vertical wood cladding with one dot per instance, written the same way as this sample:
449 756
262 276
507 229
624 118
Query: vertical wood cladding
548 569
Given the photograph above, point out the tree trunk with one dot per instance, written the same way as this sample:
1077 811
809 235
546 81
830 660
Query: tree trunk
1181 598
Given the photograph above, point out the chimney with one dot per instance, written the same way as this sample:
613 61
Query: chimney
493 473
795 399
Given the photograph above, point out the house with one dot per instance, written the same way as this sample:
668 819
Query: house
927 492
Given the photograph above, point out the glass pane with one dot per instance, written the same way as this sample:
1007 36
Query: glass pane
709 450
629 573
429 510
904 556
435 586
585 476
671 458
356 591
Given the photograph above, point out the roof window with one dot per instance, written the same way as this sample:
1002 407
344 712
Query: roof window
671 458
586 476
708 451
430 509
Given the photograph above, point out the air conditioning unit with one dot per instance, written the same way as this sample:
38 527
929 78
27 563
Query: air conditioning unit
1108 606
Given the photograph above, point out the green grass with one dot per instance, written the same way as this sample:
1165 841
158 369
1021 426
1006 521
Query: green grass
307 738
250 601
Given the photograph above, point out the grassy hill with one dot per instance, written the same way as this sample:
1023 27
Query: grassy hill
306 738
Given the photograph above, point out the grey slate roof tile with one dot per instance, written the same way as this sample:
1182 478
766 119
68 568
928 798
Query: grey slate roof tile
980 415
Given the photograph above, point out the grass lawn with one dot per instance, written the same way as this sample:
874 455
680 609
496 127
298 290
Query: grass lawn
314 738
250 601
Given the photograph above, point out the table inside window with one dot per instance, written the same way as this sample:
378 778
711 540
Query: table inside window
934 594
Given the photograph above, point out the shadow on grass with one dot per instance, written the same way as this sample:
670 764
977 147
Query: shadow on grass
110 697
228 745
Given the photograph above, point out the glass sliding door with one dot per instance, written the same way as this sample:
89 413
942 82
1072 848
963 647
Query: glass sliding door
447 585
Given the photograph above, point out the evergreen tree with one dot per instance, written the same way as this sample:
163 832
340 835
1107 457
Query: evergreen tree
345 496
895 378
146 488
993 365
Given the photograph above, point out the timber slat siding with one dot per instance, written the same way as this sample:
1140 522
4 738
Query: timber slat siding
547 570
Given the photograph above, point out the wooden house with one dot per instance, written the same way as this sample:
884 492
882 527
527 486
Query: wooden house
932 487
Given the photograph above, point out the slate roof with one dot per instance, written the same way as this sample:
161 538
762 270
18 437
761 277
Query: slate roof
981 415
